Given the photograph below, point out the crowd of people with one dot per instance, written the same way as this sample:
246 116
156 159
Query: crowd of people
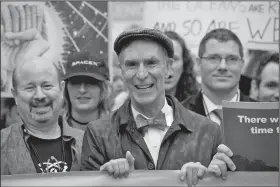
156 117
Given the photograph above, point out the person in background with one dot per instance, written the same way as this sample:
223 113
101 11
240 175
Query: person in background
152 130
181 82
9 114
119 92
221 61
266 81
86 89
42 142
251 61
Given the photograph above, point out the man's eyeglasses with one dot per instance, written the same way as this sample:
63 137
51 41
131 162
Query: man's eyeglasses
216 59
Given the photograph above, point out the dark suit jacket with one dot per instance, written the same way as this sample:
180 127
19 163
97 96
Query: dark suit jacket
195 102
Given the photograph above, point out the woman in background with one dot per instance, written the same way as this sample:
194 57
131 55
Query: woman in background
182 81
86 90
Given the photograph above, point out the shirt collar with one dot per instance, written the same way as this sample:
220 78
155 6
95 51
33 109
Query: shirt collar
212 106
68 132
166 109
182 116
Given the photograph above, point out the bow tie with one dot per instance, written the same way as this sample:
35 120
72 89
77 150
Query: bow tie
159 121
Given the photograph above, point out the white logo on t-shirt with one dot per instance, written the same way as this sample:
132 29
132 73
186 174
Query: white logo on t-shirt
54 166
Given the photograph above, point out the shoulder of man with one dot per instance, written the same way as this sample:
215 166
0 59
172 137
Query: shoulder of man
205 127
192 117
74 132
104 125
10 133
198 123
192 101
200 119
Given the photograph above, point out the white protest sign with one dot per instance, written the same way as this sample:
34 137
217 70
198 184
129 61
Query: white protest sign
255 23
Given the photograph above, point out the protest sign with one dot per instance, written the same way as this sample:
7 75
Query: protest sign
251 131
122 16
256 23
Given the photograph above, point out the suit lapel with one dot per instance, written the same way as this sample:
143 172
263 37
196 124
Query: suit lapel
197 104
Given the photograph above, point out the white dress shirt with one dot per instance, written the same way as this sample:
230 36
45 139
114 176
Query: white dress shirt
209 106
154 136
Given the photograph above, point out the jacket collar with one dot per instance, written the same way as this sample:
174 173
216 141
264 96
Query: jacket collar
68 132
181 115
197 104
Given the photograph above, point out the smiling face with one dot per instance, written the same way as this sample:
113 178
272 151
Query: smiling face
145 65
222 77
38 92
176 68
84 93
268 89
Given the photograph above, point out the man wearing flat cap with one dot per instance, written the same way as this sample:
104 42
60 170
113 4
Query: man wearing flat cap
152 130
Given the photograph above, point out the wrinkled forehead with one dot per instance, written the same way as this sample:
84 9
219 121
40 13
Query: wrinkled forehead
144 48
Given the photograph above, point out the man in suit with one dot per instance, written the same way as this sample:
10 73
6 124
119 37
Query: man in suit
221 62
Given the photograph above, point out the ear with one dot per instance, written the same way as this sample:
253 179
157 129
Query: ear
62 87
254 91
167 68
14 93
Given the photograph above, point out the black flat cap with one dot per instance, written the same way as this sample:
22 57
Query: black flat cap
137 34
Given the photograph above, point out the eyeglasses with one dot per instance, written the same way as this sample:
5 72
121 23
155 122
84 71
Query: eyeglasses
216 59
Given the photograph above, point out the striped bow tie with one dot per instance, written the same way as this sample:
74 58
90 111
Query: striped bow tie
158 122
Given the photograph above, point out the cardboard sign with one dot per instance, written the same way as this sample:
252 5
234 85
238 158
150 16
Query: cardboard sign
255 23
251 131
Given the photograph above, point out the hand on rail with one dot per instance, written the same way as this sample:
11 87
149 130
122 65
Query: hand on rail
121 167
221 161
192 171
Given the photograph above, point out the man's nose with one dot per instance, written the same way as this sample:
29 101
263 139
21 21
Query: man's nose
142 73
39 94
223 64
